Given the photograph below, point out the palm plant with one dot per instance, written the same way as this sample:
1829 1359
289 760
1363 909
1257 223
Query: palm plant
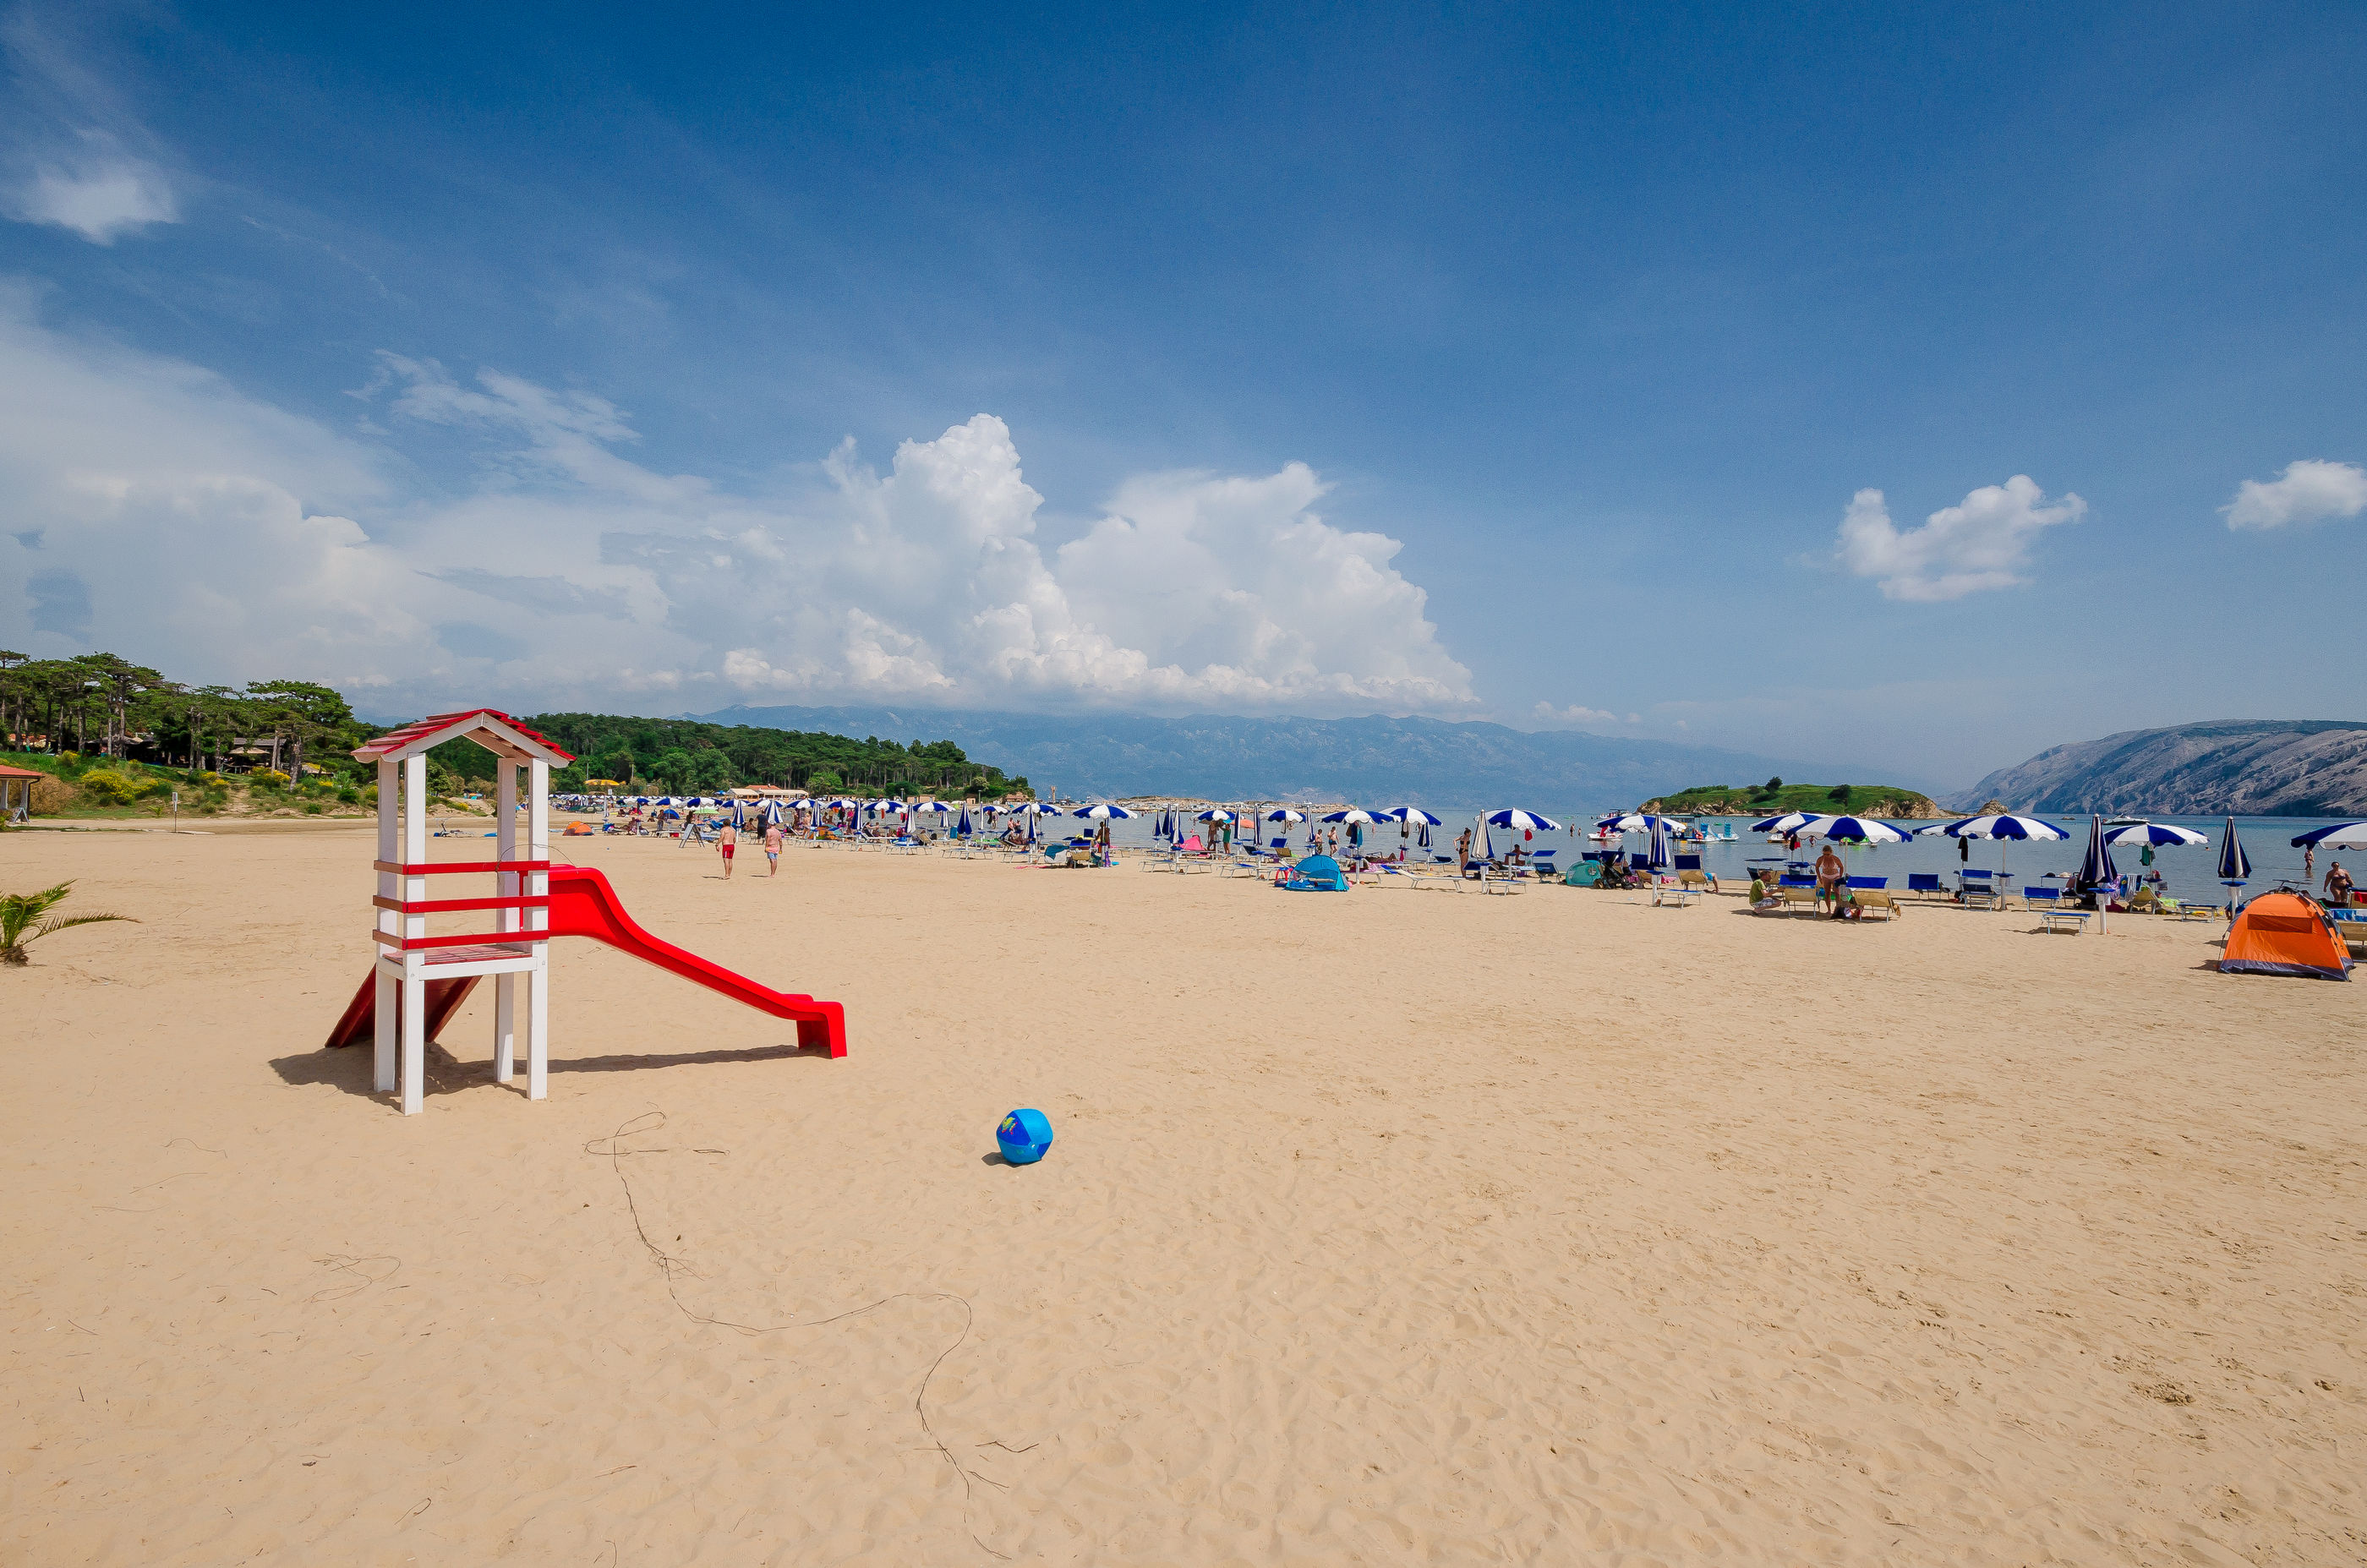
19 911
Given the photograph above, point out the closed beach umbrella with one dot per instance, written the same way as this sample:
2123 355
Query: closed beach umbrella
2342 836
2234 865
962 828
2096 868
738 813
1658 856
2158 835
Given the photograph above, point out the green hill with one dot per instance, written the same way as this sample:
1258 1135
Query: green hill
1775 797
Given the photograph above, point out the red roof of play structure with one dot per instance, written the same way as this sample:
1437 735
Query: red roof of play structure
411 735
8 772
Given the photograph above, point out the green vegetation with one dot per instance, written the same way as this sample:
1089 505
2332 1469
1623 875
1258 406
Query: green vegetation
19 910
1775 798
681 756
286 746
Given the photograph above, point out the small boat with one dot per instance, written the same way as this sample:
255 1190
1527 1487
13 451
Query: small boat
2126 821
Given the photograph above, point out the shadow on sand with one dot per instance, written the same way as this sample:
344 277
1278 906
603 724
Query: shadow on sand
348 1068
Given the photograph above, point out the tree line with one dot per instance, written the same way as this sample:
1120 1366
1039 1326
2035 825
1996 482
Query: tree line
682 756
96 704
101 704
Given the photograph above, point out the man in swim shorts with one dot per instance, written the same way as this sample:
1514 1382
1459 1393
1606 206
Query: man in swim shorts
728 841
774 835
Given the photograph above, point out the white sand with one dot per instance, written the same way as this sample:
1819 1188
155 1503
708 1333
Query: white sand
1605 1234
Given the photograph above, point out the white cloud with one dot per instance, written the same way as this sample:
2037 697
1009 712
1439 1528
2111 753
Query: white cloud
76 157
222 539
1983 543
2307 492
101 199
1579 716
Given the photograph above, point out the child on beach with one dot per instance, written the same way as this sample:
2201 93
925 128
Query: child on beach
773 837
727 842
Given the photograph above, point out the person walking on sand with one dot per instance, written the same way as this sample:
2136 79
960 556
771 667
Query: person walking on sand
773 837
727 842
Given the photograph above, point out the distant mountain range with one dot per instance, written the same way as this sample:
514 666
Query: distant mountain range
2249 767
1376 761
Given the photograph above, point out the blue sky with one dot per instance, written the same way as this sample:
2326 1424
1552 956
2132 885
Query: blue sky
1521 362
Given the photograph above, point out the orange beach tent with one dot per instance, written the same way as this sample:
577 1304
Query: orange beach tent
2285 933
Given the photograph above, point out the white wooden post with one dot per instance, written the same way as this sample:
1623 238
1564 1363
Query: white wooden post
414 964
537 979
389 849
506 885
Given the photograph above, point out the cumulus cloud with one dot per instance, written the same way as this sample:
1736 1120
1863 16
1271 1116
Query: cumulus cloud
1578 716
213 534
1981 544
2309 491
78 158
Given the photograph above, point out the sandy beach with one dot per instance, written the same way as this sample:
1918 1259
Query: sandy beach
1392 1228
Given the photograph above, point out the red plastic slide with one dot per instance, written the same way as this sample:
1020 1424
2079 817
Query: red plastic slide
583 904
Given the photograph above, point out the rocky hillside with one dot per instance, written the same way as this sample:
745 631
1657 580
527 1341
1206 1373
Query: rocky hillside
2249 767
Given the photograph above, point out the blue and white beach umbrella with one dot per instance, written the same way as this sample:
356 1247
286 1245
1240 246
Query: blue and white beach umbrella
2160 835
962 828
2234 865
1863 828
1354 814
1214 814
935 807
2003 825
1629 822
1658 856
1413 815
1102 813
2342 836
1790 822
739 814
1526 821
1483 846
1285 814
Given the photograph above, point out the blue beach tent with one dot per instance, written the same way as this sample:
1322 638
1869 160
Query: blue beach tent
1316 873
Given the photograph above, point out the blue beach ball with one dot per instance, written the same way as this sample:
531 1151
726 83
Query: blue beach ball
1024 1135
